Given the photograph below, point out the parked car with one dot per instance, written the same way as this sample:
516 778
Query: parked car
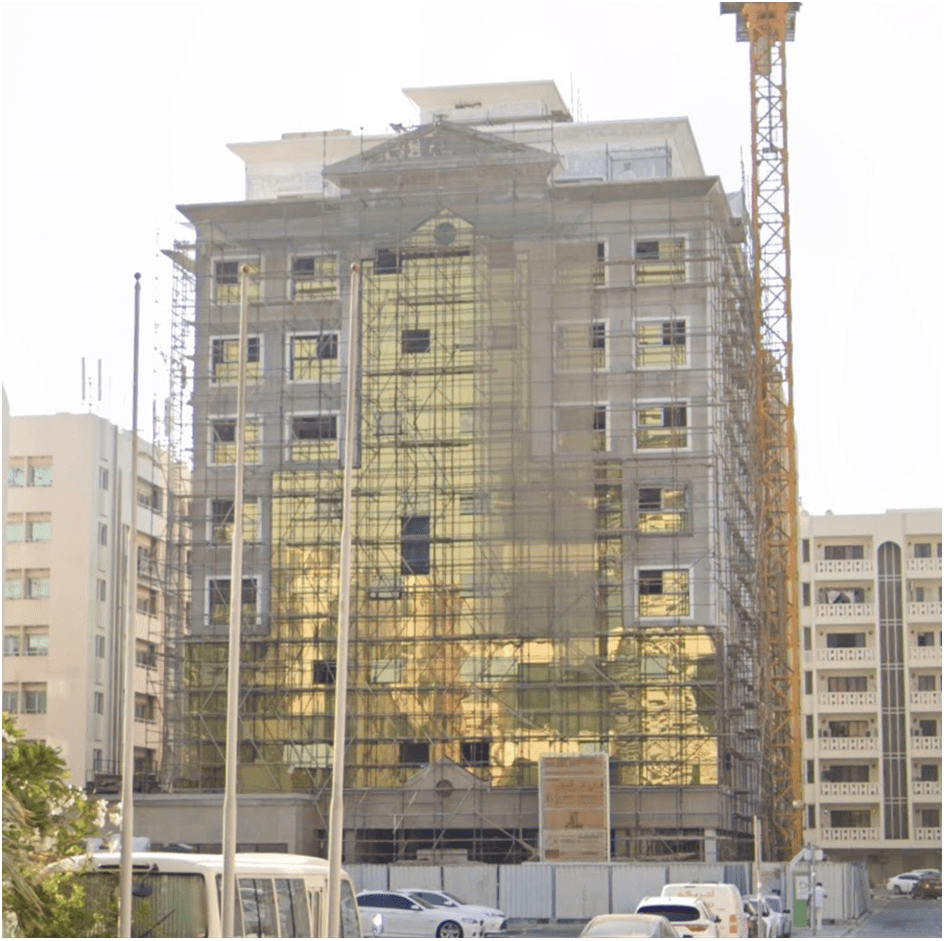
783 920
903 883
629 926
493 920
928 886
689 915
762 924
722 899
407 917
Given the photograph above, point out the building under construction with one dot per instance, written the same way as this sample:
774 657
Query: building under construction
556 479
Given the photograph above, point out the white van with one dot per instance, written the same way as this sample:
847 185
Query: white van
722 898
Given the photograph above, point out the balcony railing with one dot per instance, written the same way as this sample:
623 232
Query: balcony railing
924 566
926 699
850 835
924 611
850 745
926 788
928 835
849 789
854 656
924 654
862 567
926 744
846 613
859 700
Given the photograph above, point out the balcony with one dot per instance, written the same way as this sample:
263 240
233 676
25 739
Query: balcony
863 567
925 699
862 613
923 566
927 835
851 656
849 835
851 745
926 788
929 611
850 789
867 701
924 654
925 744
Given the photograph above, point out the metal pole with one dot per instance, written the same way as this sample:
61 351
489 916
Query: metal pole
127 755
235 617
810 905
336 817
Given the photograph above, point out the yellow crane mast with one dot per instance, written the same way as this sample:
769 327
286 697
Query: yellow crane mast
767 27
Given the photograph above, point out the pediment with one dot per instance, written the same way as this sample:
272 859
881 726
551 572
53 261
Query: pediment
443 778
439 147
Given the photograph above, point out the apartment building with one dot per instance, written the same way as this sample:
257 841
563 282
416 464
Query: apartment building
68 498
871 649
554 509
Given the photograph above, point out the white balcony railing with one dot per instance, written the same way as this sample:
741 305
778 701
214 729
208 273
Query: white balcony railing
850 655
845 613
924 654
928 835
849 789
851 745
862 700
926 788
844 567
924 611
926 699
857 835
924 566
926 744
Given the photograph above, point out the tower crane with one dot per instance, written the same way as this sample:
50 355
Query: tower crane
767 27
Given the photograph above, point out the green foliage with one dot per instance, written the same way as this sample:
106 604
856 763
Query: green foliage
45 819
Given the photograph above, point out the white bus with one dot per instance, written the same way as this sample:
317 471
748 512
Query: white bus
179 895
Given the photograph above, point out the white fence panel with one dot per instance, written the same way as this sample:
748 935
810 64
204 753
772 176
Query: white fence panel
527 891
415 876
475 883
696 872
367 876
581 888
633 882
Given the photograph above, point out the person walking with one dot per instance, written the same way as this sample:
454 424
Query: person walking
818 899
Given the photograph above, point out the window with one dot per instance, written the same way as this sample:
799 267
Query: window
927 684
14 528
313 357
922 550
661 344
806 592
660 261
16 476
662 426
918 593
314 276
474 504
34 699
324 672
147 601
387 261
838 553
150 496
846 774
600 272
808 683
227 278
414 753
386 671
10 699
39 472
841 595
219 600
805 548
931 817
929 773
102 590
103 534
99 704
851 818
145 654
925 639
224 365
37 641
100 646
414 341
844 640
600 439
38 527
414 545
13 585
224 440
662 509
37 584
475 754
927 728
664 593
11 643
847 684
144 707
103 478
581 346
222 519
308 435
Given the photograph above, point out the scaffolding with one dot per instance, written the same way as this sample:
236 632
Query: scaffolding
556 499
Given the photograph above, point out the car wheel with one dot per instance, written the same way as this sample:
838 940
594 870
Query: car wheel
897 889
449 929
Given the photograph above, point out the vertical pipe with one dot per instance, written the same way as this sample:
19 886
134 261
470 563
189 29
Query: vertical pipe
235 617
336 817
127 763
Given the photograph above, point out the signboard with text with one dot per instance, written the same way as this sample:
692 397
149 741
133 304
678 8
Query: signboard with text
575 808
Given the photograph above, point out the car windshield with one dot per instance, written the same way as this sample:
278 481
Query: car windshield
674 913
429 899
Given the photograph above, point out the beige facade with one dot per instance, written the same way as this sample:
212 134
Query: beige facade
871 660
68 505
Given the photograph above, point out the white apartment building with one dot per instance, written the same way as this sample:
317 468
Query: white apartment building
67 512
871 647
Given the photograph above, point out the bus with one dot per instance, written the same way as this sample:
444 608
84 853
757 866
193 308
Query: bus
179 895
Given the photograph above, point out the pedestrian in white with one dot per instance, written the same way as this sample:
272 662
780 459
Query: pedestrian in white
818 898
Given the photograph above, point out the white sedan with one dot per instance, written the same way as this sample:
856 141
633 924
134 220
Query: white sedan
782 916
406 917
903 883
495 924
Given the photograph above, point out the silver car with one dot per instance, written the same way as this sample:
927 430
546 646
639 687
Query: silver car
494 922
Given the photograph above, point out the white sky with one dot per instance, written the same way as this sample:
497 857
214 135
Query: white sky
115 113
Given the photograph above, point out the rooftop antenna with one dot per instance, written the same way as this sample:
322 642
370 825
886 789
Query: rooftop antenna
87 385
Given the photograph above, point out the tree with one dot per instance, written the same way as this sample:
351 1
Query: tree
45 819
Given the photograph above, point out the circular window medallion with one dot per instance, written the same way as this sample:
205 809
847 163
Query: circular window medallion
445 233
443 788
